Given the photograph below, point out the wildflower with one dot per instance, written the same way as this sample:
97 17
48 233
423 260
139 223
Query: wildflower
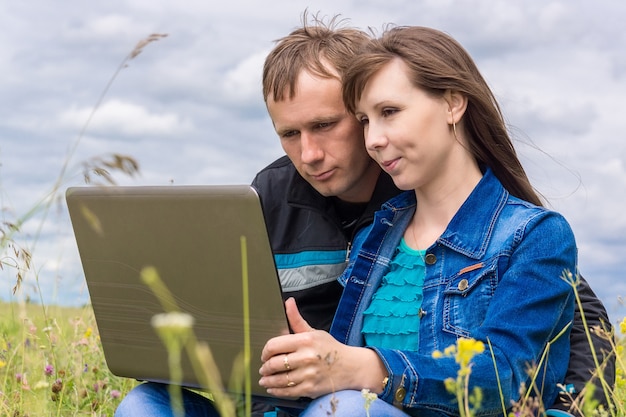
2 364
370 397
173 326
450 384
115 394
41 384
449 351
88 332
622 326
49 369
175 330
467 349
57 386
18 377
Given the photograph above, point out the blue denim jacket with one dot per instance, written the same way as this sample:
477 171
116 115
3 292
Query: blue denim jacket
494 274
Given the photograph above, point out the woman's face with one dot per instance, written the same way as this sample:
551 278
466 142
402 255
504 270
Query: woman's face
407 130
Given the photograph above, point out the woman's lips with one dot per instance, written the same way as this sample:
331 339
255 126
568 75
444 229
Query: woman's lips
390 164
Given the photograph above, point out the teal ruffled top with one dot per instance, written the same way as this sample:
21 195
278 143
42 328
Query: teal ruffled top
392 318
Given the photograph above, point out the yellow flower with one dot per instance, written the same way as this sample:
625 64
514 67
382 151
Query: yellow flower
88 332
2 364
450 384
467 349
622 326
450 350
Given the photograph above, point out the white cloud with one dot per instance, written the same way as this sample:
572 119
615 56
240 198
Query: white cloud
243 83
121 117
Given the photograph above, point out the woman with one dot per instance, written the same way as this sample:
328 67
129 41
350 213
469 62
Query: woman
466 252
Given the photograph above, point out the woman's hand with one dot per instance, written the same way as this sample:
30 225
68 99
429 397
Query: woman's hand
311 363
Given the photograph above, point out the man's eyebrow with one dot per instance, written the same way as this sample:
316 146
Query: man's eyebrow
326 119
284 130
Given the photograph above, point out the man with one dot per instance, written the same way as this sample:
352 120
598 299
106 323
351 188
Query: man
315 197
321 192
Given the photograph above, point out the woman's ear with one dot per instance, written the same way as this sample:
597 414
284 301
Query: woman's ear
457 104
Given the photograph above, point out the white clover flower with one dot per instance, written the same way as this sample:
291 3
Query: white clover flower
174 328
172 321
41 385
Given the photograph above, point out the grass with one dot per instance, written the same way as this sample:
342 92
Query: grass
52 364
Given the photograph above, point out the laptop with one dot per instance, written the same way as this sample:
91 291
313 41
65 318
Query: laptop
192 237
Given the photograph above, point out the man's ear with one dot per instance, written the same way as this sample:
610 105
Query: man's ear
457 104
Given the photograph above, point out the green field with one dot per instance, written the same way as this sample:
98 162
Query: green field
51 364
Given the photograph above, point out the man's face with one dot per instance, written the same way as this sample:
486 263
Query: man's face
324 142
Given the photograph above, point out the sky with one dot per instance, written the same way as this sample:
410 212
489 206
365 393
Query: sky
189 108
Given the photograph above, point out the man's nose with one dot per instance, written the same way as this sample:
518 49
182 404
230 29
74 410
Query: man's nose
310 150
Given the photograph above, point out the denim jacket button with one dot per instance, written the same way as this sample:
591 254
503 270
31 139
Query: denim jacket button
400 394
430 259
463 285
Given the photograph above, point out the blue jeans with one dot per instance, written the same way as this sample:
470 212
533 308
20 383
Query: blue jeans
350 404
150 399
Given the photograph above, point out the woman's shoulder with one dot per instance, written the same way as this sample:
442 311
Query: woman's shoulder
524 215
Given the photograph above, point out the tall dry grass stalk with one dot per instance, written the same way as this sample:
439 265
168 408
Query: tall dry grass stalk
100 166
19 257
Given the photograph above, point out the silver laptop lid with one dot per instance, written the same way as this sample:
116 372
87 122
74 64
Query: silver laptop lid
192 236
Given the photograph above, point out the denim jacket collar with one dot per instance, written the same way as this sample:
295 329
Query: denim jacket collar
467 232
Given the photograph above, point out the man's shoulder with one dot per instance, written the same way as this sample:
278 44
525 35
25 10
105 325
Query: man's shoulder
281 164
279 171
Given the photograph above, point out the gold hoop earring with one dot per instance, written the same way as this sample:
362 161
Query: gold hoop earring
454 130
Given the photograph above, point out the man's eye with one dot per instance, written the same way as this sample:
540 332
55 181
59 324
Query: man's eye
289 134
324 125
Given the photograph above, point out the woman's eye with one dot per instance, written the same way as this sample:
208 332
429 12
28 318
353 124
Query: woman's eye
364 120
388 112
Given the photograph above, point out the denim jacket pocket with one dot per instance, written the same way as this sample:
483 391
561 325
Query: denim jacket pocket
467 296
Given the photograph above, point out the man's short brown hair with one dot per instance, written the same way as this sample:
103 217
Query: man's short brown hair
322 49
